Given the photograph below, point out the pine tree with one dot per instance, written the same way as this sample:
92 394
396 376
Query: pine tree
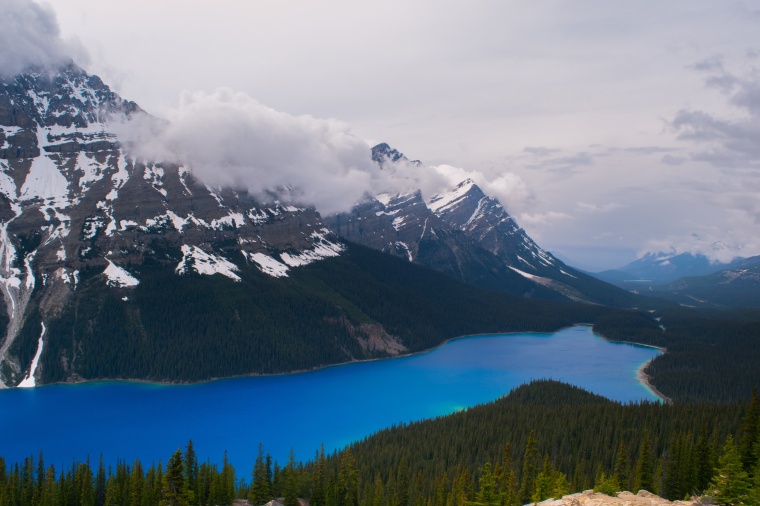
644 474
704 461
622 472
136 482
100 483
378 492
348 480
755 496
174 488
543 488
318 495
290 491
751 432
529 470
227 482
261 485
402 483
487 494
509 489
191 470
731 484
607 484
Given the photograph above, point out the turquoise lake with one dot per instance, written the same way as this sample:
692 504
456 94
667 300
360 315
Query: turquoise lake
334 406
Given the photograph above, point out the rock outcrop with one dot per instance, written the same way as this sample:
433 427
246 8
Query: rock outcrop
591 498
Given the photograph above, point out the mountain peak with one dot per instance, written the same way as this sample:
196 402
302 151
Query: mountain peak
383 153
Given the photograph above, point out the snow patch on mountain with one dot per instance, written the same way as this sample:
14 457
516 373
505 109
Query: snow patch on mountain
30 381
323 248
204 263
45 182
443 201
232 220
119 277
267 264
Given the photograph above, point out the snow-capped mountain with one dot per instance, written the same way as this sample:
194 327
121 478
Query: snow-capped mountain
464 233
73 201
661 268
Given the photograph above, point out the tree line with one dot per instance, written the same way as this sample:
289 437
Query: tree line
543 440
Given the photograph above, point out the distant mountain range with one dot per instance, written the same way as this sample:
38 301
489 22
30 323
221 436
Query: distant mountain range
691 280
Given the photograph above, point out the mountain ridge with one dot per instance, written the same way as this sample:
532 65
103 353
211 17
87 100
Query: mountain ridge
466 234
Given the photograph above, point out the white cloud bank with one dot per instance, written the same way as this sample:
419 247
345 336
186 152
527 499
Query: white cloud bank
30 36
230 139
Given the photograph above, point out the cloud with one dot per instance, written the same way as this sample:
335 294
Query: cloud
229 139
599 209
30 36
715 249
725 142
674 160
648 150
540 150
566 165
545 218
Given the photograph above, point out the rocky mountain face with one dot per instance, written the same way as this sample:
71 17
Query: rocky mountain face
72 200
466 234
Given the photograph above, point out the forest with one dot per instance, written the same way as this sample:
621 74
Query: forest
542 440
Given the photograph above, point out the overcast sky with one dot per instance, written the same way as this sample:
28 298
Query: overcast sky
607 128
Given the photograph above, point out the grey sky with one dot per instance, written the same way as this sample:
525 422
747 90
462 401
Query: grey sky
607 127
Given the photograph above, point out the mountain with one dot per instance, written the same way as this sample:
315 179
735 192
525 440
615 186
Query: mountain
660 268
737 286
118 267
468 235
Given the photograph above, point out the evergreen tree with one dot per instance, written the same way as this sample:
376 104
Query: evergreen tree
136 482
543 488
607 484
100 483
227 482
348 480
191 470
402 483
378 492
318 495
261 485
290 491
561 485
509 490
751 432
704 461
755 496
731 484
487 494
174 490
622 472
529 469
644 473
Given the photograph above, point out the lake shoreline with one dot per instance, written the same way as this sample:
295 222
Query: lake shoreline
645 379
641 375
302 371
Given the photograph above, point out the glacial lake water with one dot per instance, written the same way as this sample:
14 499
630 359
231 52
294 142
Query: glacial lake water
334 406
